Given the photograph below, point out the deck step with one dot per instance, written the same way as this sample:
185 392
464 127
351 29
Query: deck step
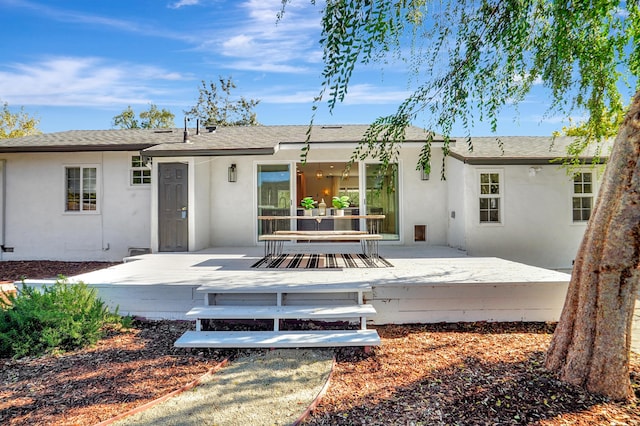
282 312
278 339
279 288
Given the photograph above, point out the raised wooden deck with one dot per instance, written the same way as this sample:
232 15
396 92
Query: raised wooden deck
426 284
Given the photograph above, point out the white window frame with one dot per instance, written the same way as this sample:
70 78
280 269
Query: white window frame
582 195
142 168
98 185
499 196
292 190
362 187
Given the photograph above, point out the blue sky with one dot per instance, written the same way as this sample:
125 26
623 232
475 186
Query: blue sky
75 64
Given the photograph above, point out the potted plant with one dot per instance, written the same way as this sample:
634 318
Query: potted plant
340 203
307 203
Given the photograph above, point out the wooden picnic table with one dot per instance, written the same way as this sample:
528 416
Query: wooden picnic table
275 238
373 221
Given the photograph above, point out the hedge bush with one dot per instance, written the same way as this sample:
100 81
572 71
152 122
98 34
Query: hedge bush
55 318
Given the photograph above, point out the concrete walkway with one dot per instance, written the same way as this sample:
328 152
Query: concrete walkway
263 389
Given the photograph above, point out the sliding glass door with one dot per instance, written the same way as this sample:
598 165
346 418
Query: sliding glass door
381 189
274 195
372 189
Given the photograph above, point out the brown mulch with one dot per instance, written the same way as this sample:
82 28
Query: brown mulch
464 373
16 270
470 374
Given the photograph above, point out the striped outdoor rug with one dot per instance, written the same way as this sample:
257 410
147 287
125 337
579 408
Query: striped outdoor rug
320 261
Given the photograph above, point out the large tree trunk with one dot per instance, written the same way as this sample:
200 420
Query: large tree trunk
592 341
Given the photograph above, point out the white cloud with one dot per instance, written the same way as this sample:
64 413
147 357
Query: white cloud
257 41
519 78
284 96
248 32
240 44
369 94
248 65
138 26
182 3
359 94
74 81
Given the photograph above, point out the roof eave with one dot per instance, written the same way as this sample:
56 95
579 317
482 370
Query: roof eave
354 143
74 148
208 152
488 161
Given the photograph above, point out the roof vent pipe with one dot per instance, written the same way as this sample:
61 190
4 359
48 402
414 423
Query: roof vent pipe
197 126
185 138
212 129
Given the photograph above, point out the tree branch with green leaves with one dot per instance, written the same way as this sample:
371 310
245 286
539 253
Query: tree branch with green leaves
18 124
476 57
473 58
216 105
153 118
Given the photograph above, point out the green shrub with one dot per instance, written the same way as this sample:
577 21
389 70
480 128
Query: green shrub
59 317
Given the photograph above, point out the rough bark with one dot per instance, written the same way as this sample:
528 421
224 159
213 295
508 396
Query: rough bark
592 341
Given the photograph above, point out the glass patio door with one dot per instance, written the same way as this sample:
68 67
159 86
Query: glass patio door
381 197
274 195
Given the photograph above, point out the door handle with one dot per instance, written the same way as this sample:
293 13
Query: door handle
183 213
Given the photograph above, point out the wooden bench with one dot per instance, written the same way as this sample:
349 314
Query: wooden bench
274 243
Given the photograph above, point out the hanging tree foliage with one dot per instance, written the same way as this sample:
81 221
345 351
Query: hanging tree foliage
471 59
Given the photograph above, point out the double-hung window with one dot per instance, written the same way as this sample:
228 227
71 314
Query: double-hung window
490 197
140 173
81 183
582 199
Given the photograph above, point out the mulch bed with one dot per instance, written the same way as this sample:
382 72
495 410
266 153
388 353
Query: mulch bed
480 374
16 270
465 373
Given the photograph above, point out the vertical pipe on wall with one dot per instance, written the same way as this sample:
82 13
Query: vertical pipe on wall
3 208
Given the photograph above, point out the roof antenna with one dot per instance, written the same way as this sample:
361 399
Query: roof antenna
185 138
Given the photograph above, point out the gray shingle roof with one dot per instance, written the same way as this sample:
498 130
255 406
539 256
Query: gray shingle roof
160 142
515 149
88 140
265 140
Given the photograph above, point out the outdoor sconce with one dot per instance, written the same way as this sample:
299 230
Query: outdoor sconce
233 173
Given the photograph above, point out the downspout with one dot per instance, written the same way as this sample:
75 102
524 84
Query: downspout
3 164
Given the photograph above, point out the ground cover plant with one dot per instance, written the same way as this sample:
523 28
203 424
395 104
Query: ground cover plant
57 317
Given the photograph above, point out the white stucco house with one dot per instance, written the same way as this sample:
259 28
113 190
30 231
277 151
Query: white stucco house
106 194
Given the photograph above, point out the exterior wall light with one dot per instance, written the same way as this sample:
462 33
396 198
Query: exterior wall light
233 173
534 171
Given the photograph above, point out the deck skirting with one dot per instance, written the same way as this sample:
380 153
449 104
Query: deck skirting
394 304
468 302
